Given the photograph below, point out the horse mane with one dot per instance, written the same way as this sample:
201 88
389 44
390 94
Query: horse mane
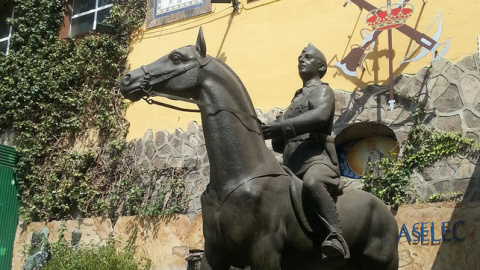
231 71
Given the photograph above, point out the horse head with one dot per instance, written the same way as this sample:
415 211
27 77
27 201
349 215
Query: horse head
176 73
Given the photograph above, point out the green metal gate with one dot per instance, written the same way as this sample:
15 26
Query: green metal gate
8 206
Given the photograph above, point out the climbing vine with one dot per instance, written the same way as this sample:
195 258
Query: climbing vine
389 179
60 98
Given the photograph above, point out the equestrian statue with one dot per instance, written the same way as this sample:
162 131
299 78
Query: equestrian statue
255 211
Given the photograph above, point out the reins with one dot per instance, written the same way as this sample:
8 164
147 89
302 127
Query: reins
150 101
197 102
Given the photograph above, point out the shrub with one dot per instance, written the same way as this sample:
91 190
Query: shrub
95 256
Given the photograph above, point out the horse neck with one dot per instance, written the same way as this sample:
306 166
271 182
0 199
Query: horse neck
236 148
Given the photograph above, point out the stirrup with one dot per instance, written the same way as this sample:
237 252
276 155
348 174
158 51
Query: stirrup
335 247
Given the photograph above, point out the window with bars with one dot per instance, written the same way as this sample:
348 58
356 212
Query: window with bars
87 13
5 29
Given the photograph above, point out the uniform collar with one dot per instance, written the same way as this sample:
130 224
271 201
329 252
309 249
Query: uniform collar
309 87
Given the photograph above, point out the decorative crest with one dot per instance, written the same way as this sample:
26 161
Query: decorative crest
384 17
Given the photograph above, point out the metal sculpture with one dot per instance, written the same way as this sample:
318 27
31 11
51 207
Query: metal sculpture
253 211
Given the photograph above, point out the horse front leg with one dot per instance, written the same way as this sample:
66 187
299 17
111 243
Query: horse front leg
204 265
266 253
212 264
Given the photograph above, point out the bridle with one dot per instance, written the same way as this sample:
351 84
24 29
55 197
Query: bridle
150 79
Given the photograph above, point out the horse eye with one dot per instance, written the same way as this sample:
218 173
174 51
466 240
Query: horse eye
176 57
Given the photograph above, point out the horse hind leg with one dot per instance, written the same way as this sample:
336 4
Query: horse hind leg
376 265
381 256
393 265
381 251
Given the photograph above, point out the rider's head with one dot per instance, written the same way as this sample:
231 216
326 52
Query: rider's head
311 62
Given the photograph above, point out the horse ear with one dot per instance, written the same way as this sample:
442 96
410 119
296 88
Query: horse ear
201 46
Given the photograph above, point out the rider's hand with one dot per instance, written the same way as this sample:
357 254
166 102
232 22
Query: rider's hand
272 130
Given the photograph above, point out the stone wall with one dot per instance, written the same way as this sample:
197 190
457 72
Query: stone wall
169 242
180 149
450 93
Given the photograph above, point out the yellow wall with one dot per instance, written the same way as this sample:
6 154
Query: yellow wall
263 40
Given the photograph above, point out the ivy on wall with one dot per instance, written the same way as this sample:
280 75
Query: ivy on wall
389 180
56 93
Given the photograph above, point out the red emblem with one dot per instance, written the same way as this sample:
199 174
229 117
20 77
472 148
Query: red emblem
381 19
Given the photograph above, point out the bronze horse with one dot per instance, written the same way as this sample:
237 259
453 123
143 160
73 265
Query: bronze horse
252 214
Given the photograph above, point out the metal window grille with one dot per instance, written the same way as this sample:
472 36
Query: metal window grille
95 11
7 38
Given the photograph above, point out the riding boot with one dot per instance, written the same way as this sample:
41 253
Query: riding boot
334 246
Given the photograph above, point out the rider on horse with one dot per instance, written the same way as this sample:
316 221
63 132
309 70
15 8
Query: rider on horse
302 133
